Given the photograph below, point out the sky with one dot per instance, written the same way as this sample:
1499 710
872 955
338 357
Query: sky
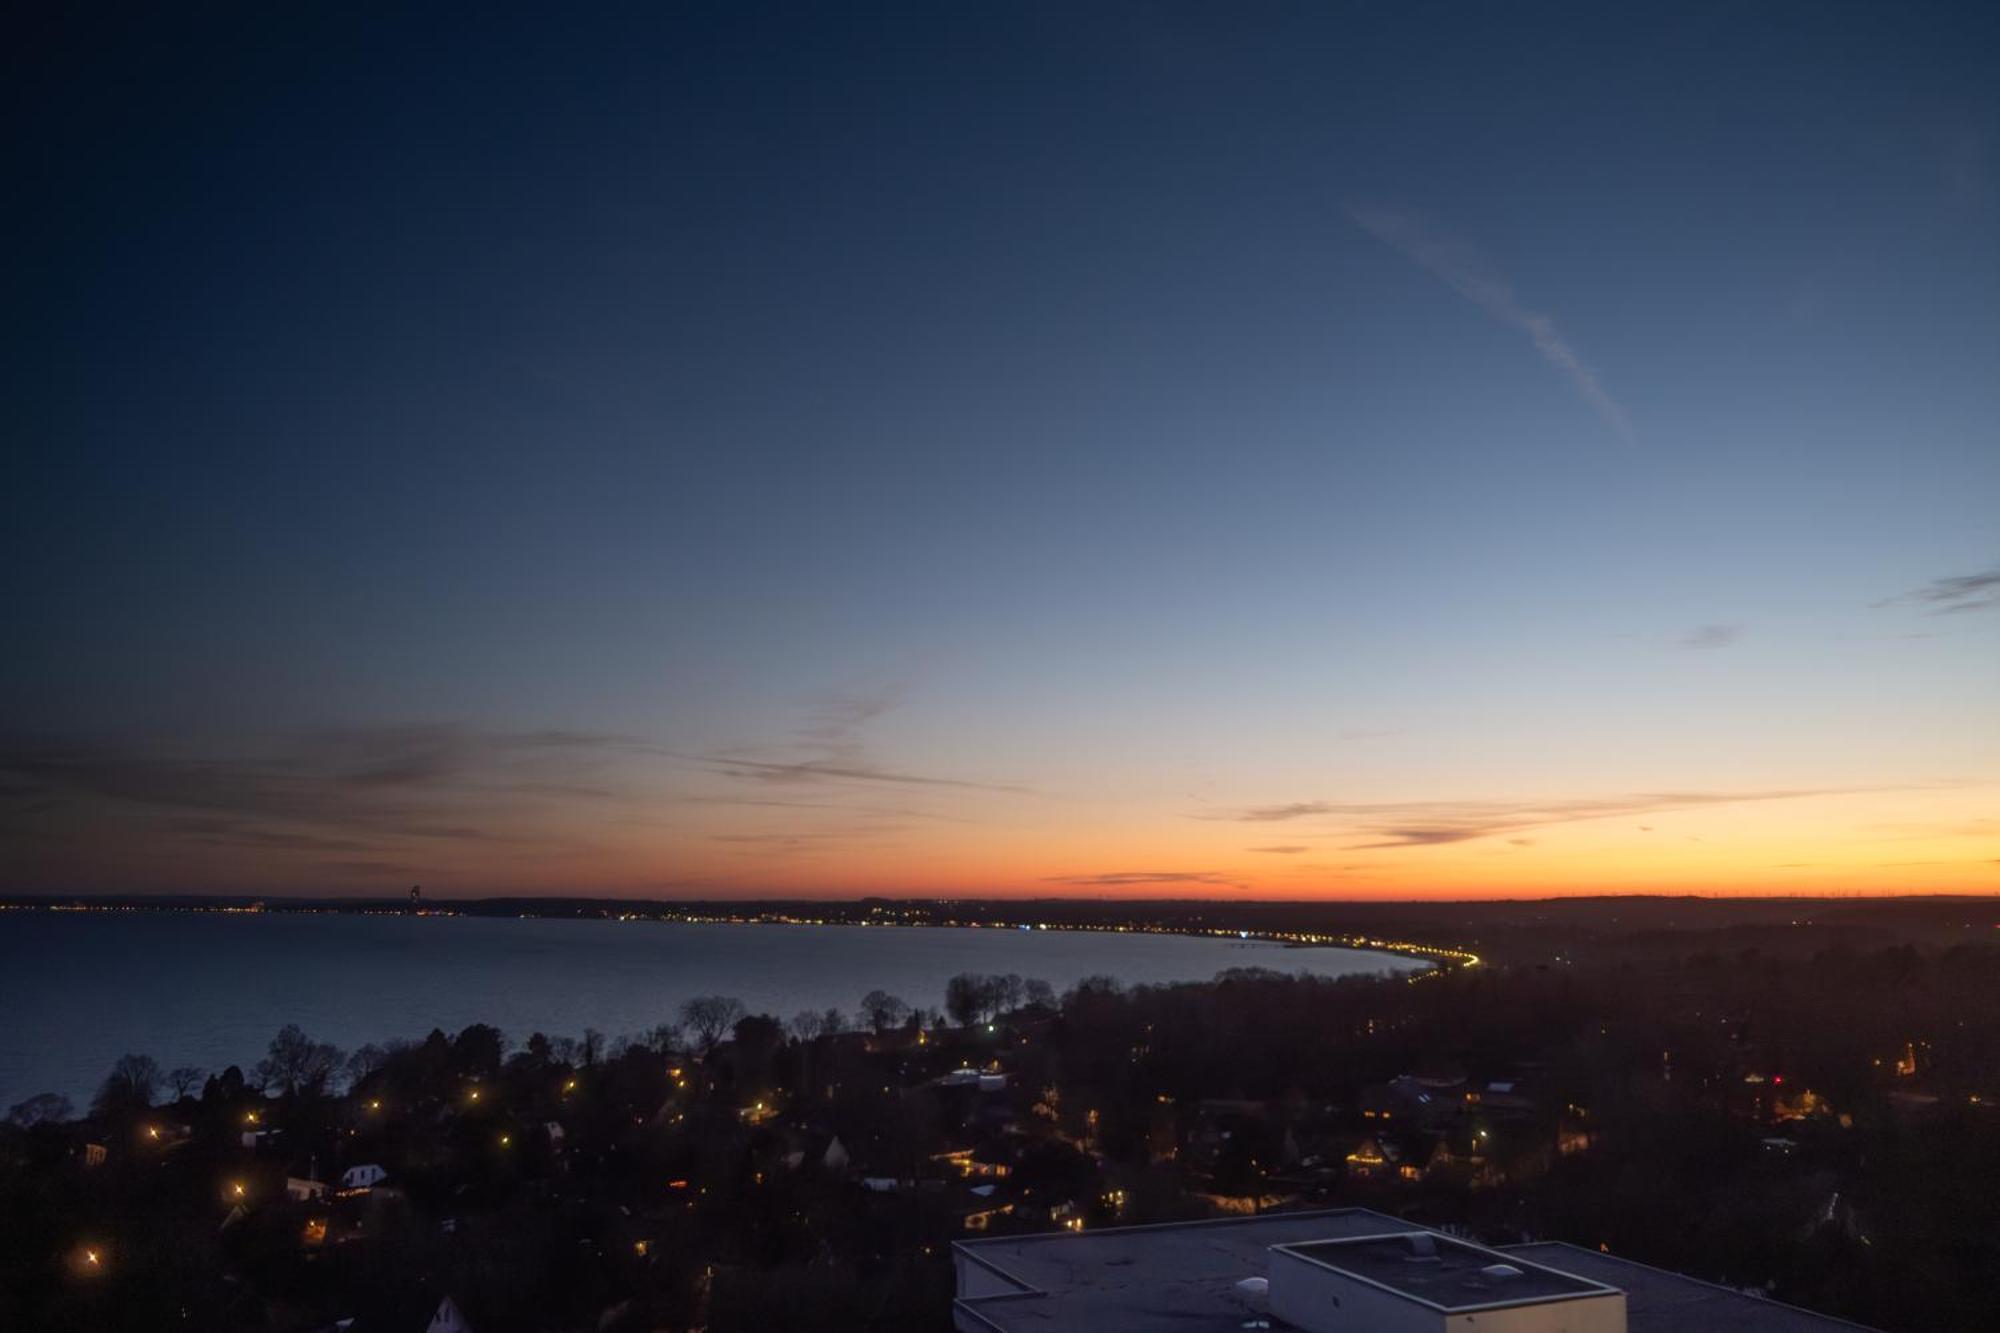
1360 451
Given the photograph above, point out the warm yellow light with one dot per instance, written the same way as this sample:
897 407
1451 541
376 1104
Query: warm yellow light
506 1139
475 1094
237 1189
152 1131
90 1257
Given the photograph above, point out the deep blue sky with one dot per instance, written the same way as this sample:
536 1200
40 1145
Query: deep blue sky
1144 411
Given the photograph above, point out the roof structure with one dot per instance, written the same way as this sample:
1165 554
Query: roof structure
1181 1278
1453 1276
1660 1301
1178 1276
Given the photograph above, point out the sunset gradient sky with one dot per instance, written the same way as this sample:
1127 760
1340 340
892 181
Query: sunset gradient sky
1252 451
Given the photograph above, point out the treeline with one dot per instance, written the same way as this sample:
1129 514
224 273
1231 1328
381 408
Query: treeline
704 1172
296 1064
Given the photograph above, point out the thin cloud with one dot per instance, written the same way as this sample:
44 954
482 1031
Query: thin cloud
1383 825
844 807
1126 878
799 844
1463 270
236 833
833 719
359 796
1280 851
821 770
1272 814
375 869
830 748
1954 594
1707 638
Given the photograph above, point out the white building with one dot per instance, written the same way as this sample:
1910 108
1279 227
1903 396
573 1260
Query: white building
448 1319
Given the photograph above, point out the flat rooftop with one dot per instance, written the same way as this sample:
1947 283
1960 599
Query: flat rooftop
1181 1278
1443 1273
1659 1301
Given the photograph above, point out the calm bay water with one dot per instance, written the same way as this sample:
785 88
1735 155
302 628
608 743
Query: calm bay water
77 990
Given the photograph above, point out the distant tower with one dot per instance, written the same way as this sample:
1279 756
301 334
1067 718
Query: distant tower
416 896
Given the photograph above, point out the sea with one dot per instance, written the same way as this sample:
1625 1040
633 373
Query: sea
209 989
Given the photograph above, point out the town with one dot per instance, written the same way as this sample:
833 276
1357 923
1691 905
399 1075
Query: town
1781 1121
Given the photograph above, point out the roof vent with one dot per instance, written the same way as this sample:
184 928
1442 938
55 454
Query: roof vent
1500 1272
1255 1293
1423 1247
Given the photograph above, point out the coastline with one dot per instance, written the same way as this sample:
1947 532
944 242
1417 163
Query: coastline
178 986
1436 958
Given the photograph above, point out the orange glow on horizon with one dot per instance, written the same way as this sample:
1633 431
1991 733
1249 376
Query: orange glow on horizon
1777 839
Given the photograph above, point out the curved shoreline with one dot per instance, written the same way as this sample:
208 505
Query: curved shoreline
367 979
1437 958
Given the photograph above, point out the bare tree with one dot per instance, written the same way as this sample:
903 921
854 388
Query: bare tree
365 1061
47 1108
883 1010
666 1038
1040 993
184 1080
963 998
130 1086
296 1064
709 1018
806 1026
478 1049
1096 984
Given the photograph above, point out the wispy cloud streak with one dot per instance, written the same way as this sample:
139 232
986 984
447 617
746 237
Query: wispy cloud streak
1954 594
1127 878
818 770
1463 270
343 801
1707 638
1390 824
834 752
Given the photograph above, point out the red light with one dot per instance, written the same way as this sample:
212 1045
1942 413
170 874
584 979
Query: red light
1777 1078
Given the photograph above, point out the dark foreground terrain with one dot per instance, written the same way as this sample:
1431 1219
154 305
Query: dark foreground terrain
1797 1098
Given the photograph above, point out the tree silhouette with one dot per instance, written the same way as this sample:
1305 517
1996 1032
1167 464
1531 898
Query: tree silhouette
964 998
708 1018
296 1064
883 1010
45 1108
130 1086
